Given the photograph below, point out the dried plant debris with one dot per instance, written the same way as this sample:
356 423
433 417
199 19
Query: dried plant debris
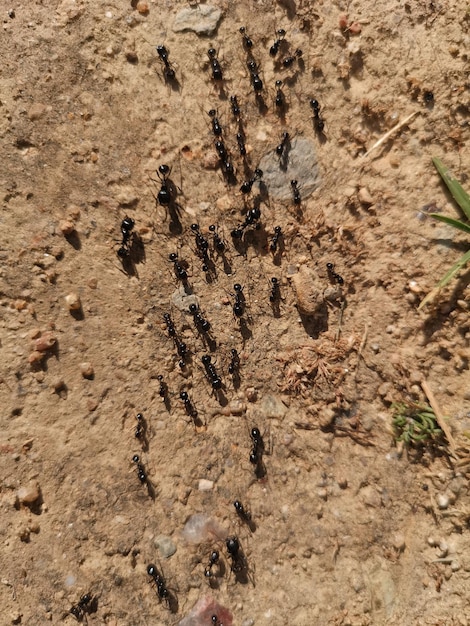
319 366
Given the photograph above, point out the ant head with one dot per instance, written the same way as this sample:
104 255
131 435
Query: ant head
251 65
195 227
212 113
255 433
127 223
274 280
237 287
139 416
238 505
151 570
206 359
173 257
298 53
281 32
212 228
293 183
136 458
184 395
314 104
85 599
164 169
277 230
279 84
193 308
211 52
258 173
234 352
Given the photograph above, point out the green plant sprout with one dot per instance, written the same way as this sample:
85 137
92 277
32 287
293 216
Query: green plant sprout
463 200
415 423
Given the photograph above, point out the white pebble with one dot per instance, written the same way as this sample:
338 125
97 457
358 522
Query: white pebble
205 485
442 500
73 301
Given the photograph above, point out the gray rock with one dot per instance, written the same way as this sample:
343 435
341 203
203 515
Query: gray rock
165 545
301 165
201 19
273 407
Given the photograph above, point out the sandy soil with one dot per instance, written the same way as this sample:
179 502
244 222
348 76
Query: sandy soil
348 528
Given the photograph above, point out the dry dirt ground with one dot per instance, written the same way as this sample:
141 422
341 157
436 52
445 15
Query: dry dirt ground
349 528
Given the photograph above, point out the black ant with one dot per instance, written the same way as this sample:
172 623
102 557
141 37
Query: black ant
284 145
218 242
143 476
82 607
163 592
235 108
275 294
169 325
163 388
190 408
180 273
234 365
214 560
239 565
202 246
256 454
224 158
200 322
295 192
247 42
274 49
318 122
216 127
288 61
239 305
332 274
127 226
166 193
248 184
140 432
241 144
215 65
141 472
169 71
211 373
251 219
181 347
244 515
256 81
275 240
280 99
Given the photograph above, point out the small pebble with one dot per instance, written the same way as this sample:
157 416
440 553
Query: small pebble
308 291
87 370
66 227
399 542
364 196
73 301
45 342
165 545
442 500
29 494
36 111
142 7
205 485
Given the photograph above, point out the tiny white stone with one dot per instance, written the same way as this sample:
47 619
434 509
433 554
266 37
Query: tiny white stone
205 485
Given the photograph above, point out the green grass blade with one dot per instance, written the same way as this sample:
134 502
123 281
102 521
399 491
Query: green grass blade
451 222
446 278
457 191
